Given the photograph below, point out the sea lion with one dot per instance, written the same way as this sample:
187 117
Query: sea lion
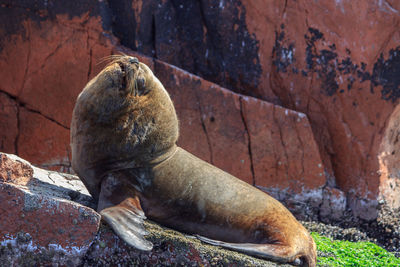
123 137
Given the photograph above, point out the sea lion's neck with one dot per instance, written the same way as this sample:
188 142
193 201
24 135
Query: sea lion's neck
106 167
163 156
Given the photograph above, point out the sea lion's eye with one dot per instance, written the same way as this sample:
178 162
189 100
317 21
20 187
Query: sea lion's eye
141 83
122 67
141 86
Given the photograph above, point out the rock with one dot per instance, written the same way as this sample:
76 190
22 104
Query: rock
36 130
333 72
333 205
40 224
337 233
170 248
283 148
9 123
51 62
47 219
15 170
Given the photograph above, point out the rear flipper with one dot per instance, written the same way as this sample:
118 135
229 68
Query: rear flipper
120 208
275 252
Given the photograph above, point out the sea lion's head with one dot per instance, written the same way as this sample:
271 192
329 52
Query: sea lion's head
123 118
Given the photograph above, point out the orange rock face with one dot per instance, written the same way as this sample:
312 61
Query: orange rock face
9 123
325 75
36 130
51 62
339 70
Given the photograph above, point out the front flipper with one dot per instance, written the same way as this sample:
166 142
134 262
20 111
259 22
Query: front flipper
128 225
120 207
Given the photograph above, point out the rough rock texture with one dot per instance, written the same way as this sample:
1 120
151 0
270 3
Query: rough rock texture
45 64
9 123
40 223
342 75
171 248
337 62
47 219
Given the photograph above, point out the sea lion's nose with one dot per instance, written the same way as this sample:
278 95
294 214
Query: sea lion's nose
133 60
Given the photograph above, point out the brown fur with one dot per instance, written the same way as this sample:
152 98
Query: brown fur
123 136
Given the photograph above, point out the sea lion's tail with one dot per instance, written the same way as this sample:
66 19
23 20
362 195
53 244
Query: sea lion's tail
275 252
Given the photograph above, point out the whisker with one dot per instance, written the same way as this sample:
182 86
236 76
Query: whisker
104 59
111 58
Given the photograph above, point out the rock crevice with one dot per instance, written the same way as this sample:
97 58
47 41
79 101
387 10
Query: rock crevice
242 114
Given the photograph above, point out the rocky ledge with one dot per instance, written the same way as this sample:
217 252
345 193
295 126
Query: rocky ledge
48 219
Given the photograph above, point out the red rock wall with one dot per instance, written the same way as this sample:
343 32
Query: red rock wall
336 62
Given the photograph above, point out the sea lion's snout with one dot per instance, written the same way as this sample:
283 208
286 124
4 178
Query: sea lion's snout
132 75
127 65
